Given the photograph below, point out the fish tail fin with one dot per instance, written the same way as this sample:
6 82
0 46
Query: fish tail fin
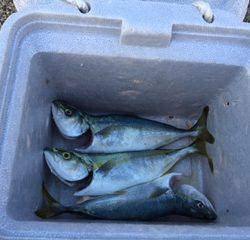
200 146
201 127
50 207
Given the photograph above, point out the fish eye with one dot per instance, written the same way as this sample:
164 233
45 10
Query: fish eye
66 155
68 112
200 205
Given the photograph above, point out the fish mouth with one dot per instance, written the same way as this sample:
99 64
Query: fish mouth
48 155
48 158
212 212
212 216
55 108
57 116
55 112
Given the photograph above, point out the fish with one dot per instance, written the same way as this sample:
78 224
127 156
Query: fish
117 171
118 133
158 198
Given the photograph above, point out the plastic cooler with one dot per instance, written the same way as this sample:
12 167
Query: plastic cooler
157 59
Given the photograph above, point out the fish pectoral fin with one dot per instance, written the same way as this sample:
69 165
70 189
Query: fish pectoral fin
108 166
50 206
47 196
83 199
121 192
157 192
106 132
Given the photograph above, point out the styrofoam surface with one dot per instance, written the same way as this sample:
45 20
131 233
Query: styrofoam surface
114 59
237 7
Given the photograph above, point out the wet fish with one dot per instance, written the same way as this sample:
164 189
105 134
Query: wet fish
117 133
154 199
69 167
114 172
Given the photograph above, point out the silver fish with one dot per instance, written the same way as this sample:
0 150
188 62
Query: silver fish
117 171
117 133
154 199
67 166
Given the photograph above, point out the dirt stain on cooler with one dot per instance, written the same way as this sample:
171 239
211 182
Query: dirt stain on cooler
28 141
237 181
129 93
137 81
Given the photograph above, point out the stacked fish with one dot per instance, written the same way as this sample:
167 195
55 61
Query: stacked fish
123 173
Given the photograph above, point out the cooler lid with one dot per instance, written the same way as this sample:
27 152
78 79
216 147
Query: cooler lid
236 7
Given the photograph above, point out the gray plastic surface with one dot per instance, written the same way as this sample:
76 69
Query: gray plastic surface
237 7
112 60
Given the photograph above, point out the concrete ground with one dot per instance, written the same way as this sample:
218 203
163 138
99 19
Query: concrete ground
7 7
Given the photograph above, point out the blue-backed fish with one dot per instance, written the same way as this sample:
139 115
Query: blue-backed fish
117 133
117 171
154 199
